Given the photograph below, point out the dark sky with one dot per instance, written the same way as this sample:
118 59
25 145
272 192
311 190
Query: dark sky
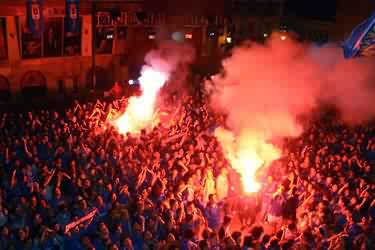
315 9
194 7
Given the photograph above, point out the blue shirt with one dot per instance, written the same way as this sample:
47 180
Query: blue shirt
213 216
137 241
277 205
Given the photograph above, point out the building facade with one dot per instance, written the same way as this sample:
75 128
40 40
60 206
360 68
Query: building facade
41 51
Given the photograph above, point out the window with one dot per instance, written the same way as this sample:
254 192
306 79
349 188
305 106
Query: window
53 37
104 40
54 42
72 42
3 41
31 44
122 33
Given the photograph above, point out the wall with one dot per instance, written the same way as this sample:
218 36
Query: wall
62 68
124 53
54 68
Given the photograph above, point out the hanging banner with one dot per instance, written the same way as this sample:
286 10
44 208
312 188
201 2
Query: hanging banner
72 16
35 16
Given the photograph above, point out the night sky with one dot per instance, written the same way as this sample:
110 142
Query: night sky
315 9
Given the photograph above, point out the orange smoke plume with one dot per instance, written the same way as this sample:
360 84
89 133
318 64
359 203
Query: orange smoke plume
247 154
264 88
160 65
140 111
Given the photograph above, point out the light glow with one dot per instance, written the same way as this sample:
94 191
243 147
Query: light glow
283 38
247 154
139 113
229 39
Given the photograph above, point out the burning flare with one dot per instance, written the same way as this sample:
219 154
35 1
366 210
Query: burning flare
140 111
247 154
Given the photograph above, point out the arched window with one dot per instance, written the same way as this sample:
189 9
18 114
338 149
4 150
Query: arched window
34 84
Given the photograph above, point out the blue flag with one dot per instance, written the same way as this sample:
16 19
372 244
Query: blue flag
35 17
362 40
72 20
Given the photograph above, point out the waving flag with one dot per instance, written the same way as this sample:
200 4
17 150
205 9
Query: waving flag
362 40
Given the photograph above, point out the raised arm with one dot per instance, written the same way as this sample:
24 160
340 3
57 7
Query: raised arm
29 154
141 178
49 178
342 188
13 181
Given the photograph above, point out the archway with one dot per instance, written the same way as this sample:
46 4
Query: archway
5 94
33 84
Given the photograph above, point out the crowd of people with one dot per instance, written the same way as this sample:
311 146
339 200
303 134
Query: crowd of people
69 180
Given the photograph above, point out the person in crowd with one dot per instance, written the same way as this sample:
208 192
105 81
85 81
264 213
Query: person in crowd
209 187
277 205
222 185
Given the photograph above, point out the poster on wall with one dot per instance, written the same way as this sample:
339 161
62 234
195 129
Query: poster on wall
31 44
53 37
3 43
